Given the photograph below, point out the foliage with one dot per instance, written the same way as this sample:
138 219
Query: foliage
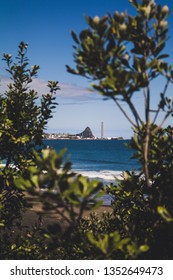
124 55
74 235
67 194
60 185
41 174
22 122
147 211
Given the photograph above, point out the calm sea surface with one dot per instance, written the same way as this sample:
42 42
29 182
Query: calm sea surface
97 158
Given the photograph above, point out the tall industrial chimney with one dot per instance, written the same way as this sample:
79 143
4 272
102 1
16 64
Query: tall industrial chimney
102 132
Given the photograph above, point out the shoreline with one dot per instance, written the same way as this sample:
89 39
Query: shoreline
87 139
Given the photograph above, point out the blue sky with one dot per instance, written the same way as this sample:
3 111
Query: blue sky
46 25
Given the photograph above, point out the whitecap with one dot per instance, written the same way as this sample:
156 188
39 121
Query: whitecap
104 175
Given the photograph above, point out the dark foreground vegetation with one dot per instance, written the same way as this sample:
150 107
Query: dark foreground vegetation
123 55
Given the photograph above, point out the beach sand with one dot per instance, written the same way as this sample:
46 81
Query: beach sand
37 215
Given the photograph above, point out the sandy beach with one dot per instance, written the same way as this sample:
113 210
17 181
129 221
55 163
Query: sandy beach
35 214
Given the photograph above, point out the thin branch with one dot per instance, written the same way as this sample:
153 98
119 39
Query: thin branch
147 136
82 208
134 111
161 124
62 215
164 92
165 118
123 111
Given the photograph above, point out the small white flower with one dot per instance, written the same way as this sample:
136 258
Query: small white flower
96 19
165 9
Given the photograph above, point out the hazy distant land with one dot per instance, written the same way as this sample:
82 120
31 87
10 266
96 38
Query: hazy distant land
84 135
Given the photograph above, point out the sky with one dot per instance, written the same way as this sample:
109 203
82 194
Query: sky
46 26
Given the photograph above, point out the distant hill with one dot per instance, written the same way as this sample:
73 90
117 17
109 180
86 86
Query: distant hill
87 133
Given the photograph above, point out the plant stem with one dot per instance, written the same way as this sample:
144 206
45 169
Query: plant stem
147 136
123 111
164 92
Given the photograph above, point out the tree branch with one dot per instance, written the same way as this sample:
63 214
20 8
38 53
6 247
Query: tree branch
123 111
164 92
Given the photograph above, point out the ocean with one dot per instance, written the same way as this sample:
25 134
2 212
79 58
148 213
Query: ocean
101 159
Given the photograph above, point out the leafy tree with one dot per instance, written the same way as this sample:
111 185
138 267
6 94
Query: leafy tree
43 175
30 171
73 236
124 55
23 118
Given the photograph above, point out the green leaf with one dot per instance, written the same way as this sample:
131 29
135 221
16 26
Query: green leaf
163 56
144 248
74 37
164 214
13 246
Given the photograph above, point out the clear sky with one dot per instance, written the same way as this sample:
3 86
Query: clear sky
46 25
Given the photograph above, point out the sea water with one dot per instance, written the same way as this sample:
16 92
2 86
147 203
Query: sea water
101 159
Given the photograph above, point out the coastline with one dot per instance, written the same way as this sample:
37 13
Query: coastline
88 139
